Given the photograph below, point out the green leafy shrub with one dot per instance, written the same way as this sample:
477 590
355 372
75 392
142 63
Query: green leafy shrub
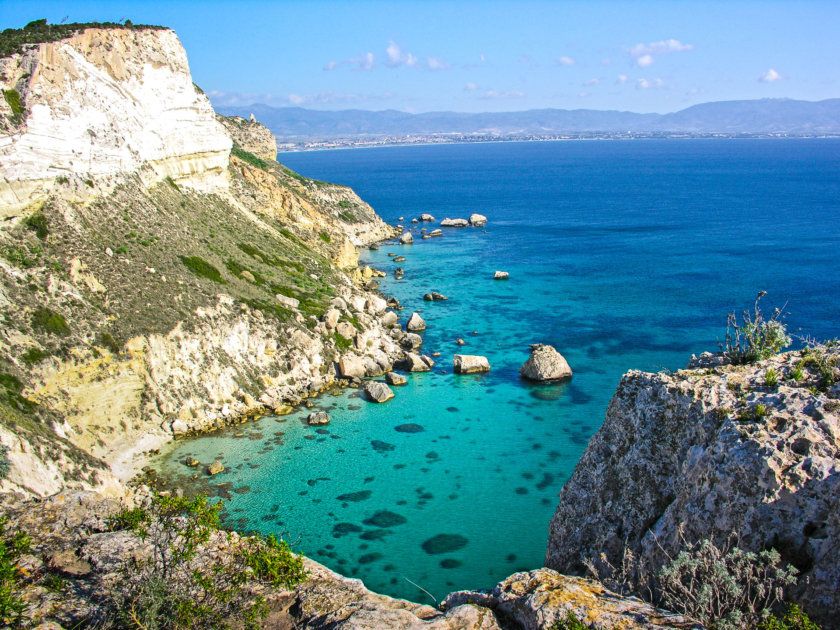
13 100
823 359
324 237
38 224
49 321
202 268
755 338
793 618
570 622
725 588
13 40
106 340
33 356
179 587
12 606
5 464
342 343
771 377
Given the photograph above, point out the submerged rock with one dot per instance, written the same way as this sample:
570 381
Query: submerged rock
215 468
378 392
478 220
545 364
470 364
415 323
318 418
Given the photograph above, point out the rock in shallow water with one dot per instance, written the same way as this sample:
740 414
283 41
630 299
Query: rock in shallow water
545 364
318 418
378 392
477 220
415 323
470 364
394 379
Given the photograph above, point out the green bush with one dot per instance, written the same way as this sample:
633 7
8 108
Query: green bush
38 224
250 158
177 587
755 338
569 622
49 321
324 237
342 343
202 268
771 377
823 359
13 99
33 356
13 40
12 606
791 619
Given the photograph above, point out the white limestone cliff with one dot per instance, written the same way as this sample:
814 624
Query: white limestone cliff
101 103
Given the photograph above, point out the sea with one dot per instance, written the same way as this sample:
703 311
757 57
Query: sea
623 255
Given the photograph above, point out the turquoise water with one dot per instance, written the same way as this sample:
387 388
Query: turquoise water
621 254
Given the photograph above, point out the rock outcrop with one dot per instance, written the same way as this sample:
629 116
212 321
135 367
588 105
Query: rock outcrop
470 364
709 453
477 220
378 392
250 136
415 323
447 222
545 364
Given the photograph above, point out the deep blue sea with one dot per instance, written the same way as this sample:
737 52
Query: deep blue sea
622 254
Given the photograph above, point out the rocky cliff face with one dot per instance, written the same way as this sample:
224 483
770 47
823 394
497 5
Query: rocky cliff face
151 283
100 104
250 136
711 452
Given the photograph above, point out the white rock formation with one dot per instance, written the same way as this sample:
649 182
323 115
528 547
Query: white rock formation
106 102
477 220
545 364
406 238
415 323
470 364
447 222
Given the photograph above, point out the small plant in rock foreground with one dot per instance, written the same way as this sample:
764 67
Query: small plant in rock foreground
195 575
791 619
724 587
569 622
12 606
771 377
756 337
824 359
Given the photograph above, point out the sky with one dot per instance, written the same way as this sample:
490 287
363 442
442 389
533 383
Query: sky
488 56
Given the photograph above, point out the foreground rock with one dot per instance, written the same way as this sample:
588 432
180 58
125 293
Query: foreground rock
545 364
406 238
378 392
544 599
709 453
415 323
470 364
395 380
413 362
454 223
318 418
478 220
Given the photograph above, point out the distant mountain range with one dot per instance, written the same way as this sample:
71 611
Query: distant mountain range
765 116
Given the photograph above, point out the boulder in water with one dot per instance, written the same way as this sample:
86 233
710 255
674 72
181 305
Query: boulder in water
545 364
394 379
378 392
478 220
501 275
318 418
470 364
454 223
406 238
415 323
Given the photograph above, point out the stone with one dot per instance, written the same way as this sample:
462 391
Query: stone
426 217
358 303
394 379
406 238
478 220
454 222
399 259
460 342
428 360
412 362
389 319
415 323
376 304
683 455
437 232
339 303
351 366
179 427
318 418
470 364
501 275
247 275
411 341
378 392
346 330
545 364
68 563
215 468
434 297
330 318
287 301
191 462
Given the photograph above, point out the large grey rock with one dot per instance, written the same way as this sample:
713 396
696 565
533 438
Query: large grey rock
287 301
434 296
454 222
394 379
378 392
426 217
351 366
478 220
412 362
545 364
415 323
470 364
318 418
215 468
389 319
406 238
410 341
501 275
330 318
346 330
692 452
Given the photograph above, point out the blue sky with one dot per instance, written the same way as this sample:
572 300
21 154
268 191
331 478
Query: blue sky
418 56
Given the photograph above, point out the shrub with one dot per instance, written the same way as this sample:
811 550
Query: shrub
724 587
569 622
771 377
202 268
49 321
12 606
33 356
38 224
792 619
324 237
13 100
5 464
822 358
342 343
250 158
177 587
755 338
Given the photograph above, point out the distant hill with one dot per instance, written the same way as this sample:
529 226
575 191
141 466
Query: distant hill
731 117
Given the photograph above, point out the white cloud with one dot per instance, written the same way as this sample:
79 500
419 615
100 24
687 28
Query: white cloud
565 61
470 87
771 76
436 63
591 82
643 54
621 79
242 99
363 62
332 65
644 84
398 57
493 95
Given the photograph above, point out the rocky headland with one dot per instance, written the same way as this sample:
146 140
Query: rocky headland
162 274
